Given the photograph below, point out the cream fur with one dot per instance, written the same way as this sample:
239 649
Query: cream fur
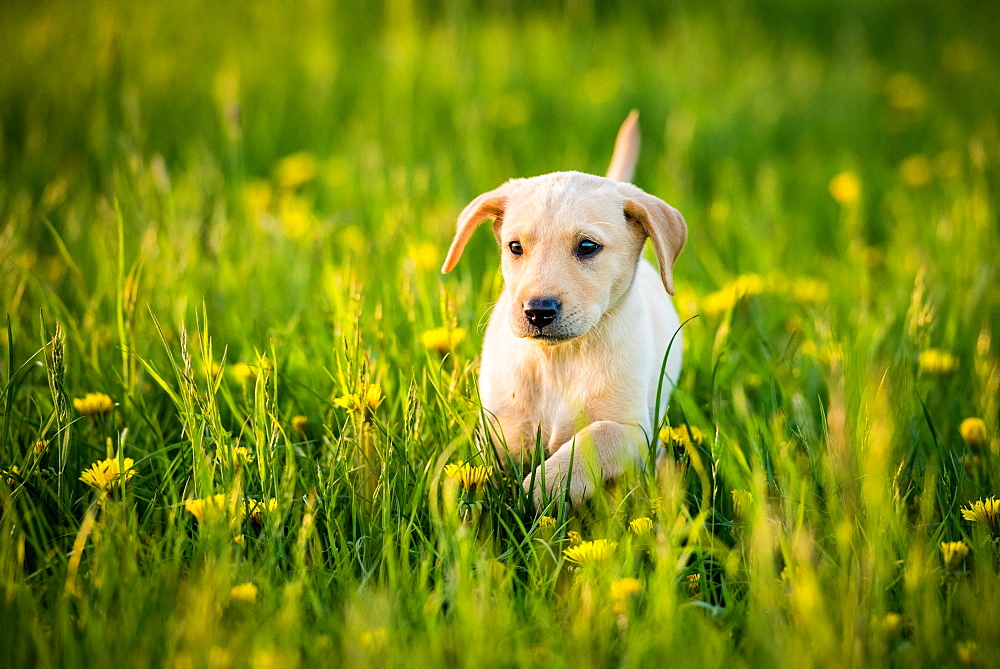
588 380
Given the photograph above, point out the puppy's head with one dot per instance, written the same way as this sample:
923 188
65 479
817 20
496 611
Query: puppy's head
570 244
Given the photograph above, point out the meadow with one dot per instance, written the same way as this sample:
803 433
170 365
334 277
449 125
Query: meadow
238 400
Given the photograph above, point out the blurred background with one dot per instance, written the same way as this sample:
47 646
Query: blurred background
221 228
357 127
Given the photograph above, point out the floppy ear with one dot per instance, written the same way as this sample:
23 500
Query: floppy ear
486 206
662 223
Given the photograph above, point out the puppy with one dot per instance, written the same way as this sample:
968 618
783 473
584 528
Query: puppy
575 346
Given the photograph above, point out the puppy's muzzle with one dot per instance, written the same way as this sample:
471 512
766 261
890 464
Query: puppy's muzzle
540 311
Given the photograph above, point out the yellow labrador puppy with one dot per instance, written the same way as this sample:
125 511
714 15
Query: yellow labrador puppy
575 345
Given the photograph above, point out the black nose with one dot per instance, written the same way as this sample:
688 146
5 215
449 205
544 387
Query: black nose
541 311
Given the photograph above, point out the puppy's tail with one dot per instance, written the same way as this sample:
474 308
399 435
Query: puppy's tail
626 154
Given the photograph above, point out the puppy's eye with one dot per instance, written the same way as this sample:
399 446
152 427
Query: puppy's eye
515 248
587 248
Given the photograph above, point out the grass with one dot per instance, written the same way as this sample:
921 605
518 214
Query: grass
229 220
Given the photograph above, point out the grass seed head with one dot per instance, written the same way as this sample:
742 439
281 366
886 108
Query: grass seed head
742 499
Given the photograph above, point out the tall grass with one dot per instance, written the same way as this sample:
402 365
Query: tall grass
229 220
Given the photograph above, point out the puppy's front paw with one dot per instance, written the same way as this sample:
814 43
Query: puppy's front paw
556 478
537 492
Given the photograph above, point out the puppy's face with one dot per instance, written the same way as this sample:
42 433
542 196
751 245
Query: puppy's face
568 253
570 245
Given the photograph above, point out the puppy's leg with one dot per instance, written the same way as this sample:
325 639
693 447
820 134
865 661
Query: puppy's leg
601 451
512 440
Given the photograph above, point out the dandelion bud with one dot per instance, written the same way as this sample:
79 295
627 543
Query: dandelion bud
953 552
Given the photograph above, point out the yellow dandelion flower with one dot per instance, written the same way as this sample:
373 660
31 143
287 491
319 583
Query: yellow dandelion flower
216 506
296 169
40 446
809 291
374 396
424 256
748 284
845 188
916 171
952 553
641 526
240 455
12 473
968 653
718 302
257 509
243 371
685 435
622 591
442 339
985 511
892 623
694 583
247 592
623 588
375 637
742 499
547 522
574 538
973 431
102 474
296 216
93 404
300 424
597 553
726 297
937 362
361 404
257 196
240 540
469 477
